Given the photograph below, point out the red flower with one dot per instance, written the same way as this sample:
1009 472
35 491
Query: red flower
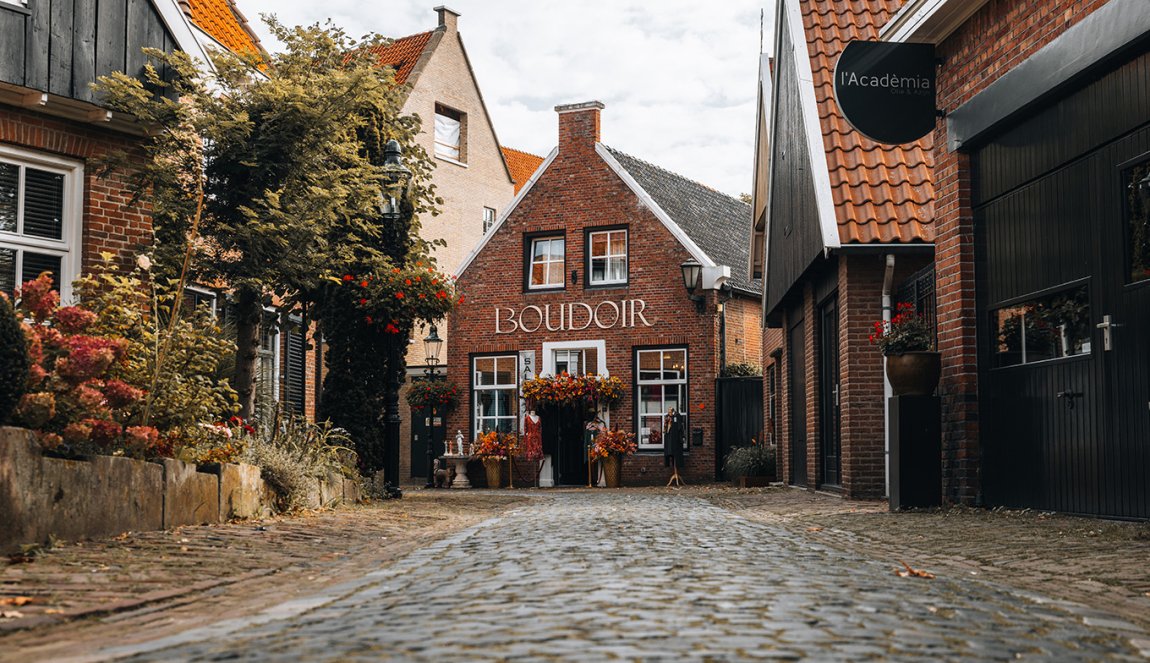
399 295
407 281
363 284
461 299
368 319
441 295
395 271
362 302
347 277
391 329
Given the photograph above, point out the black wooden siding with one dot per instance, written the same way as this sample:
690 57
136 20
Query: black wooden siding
62 46
1049 212
795 239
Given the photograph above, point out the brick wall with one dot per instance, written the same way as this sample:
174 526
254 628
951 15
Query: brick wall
995 40
744 330
111 223
580 191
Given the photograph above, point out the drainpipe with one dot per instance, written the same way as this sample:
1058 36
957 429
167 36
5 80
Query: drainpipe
887 284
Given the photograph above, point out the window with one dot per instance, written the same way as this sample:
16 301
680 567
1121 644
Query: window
39 219
295 365
496 393
607 257
1137 181
488 219
1049 327
449 133
661 385
268 360
546 263
196 298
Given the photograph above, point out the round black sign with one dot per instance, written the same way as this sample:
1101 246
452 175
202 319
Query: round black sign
887 91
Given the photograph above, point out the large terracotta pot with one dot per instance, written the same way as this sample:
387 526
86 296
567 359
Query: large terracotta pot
494 468
914 373
613 470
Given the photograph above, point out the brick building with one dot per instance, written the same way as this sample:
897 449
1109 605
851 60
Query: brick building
840 221
583 274
1042 185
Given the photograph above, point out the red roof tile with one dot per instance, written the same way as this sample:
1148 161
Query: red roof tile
521 164
402 54
882 193
222 20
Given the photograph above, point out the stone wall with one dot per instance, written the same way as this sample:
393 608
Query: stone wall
43 498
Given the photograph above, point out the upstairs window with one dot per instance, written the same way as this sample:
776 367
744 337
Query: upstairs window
449 133
607 255
39 221
547 255
488 219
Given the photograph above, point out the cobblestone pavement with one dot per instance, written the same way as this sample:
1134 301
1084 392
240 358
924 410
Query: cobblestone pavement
651 575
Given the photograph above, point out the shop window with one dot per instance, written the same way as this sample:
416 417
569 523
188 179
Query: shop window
1137 181
1053 326
488 219
450 132
496 393
39 220
547 261
661 384
607 257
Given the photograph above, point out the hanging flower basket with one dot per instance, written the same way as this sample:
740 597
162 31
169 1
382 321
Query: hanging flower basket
426 393
564 389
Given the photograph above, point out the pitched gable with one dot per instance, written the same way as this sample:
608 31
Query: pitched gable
521 164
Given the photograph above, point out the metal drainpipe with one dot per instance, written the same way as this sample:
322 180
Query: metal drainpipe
887 284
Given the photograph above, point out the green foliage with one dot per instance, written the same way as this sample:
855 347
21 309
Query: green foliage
756 460
907 331
277 166
741 370
14 360
439 394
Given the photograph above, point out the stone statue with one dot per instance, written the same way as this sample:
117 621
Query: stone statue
459 442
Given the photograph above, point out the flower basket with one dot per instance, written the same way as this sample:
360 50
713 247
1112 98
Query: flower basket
494 468
439 394
913 373
613 470
564 389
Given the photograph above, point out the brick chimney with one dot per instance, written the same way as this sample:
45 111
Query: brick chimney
579 125
448 19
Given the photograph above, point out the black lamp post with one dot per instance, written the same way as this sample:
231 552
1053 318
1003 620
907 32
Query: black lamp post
692 270
397 177
432 344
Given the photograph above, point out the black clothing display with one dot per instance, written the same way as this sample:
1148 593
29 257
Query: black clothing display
673 439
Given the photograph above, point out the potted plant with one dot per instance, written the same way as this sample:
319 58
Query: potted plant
493 447
751 466
609 448
912 365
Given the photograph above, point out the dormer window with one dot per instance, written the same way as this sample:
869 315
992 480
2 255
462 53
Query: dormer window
450 129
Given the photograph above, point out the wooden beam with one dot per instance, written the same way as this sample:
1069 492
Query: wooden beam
33 99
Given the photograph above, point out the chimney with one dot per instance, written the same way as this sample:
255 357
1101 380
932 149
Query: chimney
579 125
448 18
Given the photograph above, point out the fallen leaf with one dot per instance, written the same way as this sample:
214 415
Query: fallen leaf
814 529
912 573
16 600
11 614
53 611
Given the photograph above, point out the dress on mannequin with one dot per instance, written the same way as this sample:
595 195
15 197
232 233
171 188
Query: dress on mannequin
533 437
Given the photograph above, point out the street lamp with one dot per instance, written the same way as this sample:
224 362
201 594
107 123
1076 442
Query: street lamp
432 344
692 270
397 178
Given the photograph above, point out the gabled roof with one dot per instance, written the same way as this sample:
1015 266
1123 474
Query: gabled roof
521 164
402 54
222 21
714 221
882 193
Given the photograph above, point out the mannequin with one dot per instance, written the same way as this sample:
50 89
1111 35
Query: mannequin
673 445
533 442
593 428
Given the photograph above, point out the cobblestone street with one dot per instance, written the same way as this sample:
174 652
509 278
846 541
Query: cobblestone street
650 575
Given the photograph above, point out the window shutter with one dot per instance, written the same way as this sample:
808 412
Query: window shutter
43 204
9 187
295 368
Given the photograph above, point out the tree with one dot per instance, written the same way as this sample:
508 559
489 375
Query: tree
262 174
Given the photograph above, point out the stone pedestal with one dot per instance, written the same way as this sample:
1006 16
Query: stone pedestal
460 463
915 452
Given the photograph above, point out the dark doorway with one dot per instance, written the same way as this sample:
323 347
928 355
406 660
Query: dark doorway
830 444
1061 223
421 430
796 365
740 416
563 428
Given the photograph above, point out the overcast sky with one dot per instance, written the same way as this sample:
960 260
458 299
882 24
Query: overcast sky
677 76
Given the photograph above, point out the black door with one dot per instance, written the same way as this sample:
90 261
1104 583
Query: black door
1063 270
830 441
739 403
563 428
421 431
796 360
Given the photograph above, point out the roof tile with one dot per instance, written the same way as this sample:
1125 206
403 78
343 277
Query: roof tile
222 20
402 54
882 193
521 164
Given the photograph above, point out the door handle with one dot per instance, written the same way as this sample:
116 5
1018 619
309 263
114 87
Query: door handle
1106 326
1069 397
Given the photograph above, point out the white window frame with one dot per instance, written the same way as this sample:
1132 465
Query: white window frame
600 346
608 257
639 383
207 294
273 353
512 387
488 219
531 285
70 244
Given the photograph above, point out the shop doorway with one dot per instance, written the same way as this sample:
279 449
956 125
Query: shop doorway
563 429
830 439
796 360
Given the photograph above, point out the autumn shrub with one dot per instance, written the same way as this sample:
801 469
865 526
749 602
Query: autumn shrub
13 360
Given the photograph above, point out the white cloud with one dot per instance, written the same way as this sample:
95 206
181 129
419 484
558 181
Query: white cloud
677 76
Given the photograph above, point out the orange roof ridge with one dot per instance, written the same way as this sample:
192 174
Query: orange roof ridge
881 193
521 164
402 54
223 21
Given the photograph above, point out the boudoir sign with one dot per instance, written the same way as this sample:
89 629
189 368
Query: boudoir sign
574 316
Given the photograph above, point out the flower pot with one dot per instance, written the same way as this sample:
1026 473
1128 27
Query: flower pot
613 470
494 469
913 373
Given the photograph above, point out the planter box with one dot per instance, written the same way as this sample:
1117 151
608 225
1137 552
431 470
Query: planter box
191 497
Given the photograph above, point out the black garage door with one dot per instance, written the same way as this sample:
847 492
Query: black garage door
1062 218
